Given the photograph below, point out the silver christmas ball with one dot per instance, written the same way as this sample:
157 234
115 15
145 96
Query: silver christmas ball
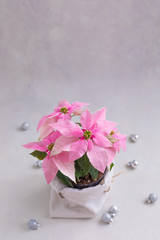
134 137
25 126
113 210
106 218
152 198
133 164
33 224
38 163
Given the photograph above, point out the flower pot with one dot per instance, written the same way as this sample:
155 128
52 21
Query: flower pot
66 202
78 186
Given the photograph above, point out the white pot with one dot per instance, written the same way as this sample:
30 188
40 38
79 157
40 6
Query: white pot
68 202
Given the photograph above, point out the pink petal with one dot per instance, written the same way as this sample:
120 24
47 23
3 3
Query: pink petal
79 104
111 155
102 141
86 120
50 169
57 110
115 130
63 116
68 128
98 157
78 149
46 129
63 143
64 103
78 112
42 120
63 156
40 146
117 146
53 136
106 126
99 115
90 144
67 168
121 143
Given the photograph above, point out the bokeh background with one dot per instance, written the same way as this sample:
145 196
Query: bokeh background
105 52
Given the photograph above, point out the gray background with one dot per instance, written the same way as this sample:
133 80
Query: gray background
106 52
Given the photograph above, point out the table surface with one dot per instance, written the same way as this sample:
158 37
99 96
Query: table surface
103 52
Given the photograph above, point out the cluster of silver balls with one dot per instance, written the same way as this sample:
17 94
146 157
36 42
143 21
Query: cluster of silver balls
152 198
133 138
108 216
133 164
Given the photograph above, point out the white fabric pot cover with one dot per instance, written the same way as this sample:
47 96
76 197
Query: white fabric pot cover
68 202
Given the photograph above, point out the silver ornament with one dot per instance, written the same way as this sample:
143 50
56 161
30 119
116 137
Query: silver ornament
106 218
25 126
38 163
134 137
113 210
33 224
133 164
152 198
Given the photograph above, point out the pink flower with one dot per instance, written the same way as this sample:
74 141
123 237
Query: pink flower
51 164
121 143
64 111
46 144
61 162
90 139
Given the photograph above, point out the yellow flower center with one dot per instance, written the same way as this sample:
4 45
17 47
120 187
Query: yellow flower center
112 132
87 134
50 146
64 110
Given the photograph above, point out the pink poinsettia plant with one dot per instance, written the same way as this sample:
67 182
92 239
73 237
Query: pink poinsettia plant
72 150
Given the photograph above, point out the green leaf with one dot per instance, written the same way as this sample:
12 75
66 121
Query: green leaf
111 166
66 180
79 124
39 155
78 171
93 172
84 163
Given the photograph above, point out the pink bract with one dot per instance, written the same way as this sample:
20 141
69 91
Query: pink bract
64 141
43 144
63 111
51 164
90 139
121 143
61 162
